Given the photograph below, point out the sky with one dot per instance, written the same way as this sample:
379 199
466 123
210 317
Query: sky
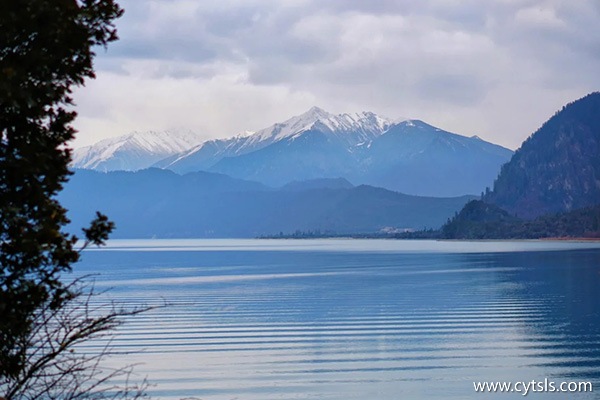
495 68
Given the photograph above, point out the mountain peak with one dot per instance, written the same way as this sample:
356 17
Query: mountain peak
317 111
308 118
320 119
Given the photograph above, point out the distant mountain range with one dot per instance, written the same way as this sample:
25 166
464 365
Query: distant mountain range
300 176
160 203
137 150
550 187
408 156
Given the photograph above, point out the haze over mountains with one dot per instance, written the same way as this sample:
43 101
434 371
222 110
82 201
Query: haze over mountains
160 203
409 156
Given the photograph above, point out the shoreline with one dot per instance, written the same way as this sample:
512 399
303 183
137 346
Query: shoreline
571 239
549 239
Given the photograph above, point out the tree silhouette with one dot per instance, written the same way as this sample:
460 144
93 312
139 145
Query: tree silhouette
46 49
56 367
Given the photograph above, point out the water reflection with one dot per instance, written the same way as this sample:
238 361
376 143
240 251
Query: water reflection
569 322
402 320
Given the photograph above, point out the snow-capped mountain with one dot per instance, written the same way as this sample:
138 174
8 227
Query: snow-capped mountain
137 150
409 156
349 129
406 155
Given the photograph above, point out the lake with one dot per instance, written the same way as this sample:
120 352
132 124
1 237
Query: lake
354 319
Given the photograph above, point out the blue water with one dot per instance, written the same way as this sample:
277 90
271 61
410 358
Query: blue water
354 319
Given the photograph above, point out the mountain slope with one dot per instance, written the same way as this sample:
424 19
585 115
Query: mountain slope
134 151
316 153
550 187
417 158
558 167
160 203
322 183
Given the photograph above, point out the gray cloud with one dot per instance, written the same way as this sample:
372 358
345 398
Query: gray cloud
466 65
455 89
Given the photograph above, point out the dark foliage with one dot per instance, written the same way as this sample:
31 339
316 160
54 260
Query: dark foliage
479 220
57 368
46 49
409 235
557 168
552 183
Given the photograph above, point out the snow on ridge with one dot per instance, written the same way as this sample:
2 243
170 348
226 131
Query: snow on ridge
350 128
165 142
245 134
148 145
363 121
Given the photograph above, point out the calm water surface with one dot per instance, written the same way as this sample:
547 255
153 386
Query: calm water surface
355 319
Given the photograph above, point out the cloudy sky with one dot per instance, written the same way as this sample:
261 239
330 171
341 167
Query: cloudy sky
495 68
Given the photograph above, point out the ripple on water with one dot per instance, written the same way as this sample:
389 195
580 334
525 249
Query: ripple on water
341 321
